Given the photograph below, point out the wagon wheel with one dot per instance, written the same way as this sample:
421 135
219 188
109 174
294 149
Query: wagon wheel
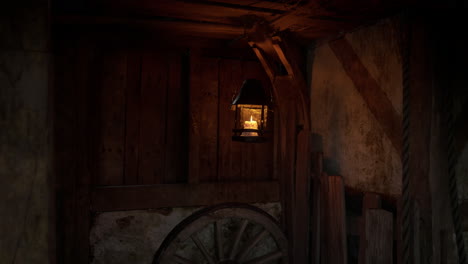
225 234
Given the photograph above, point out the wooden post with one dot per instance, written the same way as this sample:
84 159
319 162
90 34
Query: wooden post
315 224
378 236
370 201
334 244
292 98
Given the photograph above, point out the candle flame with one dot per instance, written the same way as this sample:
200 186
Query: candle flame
251 119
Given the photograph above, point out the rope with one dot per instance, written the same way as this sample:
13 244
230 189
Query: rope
453 191
406 217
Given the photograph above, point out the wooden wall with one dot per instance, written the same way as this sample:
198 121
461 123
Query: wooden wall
140 119
142 126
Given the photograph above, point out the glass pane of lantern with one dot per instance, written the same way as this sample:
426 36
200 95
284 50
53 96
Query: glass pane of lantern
250 117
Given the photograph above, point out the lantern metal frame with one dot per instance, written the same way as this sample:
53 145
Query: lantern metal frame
253 98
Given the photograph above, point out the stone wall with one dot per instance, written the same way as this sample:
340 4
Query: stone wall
25 222
134 236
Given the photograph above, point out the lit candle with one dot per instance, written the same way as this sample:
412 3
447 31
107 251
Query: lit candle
252 124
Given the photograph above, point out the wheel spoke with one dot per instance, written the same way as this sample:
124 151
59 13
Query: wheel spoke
250 244
240 231
266 258
202 248
182 260
219 242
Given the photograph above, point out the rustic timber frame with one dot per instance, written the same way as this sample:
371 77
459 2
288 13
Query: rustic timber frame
292 99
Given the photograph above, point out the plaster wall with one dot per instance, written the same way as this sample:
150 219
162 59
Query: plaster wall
354 144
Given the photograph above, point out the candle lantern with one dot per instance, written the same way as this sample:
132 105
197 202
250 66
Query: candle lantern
253 113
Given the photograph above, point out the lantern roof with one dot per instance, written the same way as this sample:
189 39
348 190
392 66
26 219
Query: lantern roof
252 92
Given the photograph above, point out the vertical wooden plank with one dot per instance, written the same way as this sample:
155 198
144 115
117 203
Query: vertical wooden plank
132 124
230 152
335 225
175 128
369 201
204 122
315 213
194 129
379 236
421 108
153 119
65 164
112 118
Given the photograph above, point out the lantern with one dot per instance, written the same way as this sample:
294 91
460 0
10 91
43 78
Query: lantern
253 113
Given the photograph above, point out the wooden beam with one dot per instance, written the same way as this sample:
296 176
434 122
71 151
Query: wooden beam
379 104
283 6
263 60
206 11
173 27
181 195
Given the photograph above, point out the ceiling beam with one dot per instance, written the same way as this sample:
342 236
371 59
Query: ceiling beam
174 27
188 10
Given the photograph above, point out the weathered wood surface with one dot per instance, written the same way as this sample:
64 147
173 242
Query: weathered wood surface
334 241
153 103
169 28
111 66
377 101
213 154
140 120
73 156
292 98
369 201
204 120
132 118
379 236
421 108
180 195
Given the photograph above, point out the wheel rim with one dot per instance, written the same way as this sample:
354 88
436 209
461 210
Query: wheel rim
239 233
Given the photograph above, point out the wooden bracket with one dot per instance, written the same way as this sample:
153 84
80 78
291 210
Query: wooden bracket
266 65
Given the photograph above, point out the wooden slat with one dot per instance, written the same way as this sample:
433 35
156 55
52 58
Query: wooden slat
153 119
334 249
379 104
175 161
194 131
179 195
204 122
112 118
379 236
132 119
230 152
